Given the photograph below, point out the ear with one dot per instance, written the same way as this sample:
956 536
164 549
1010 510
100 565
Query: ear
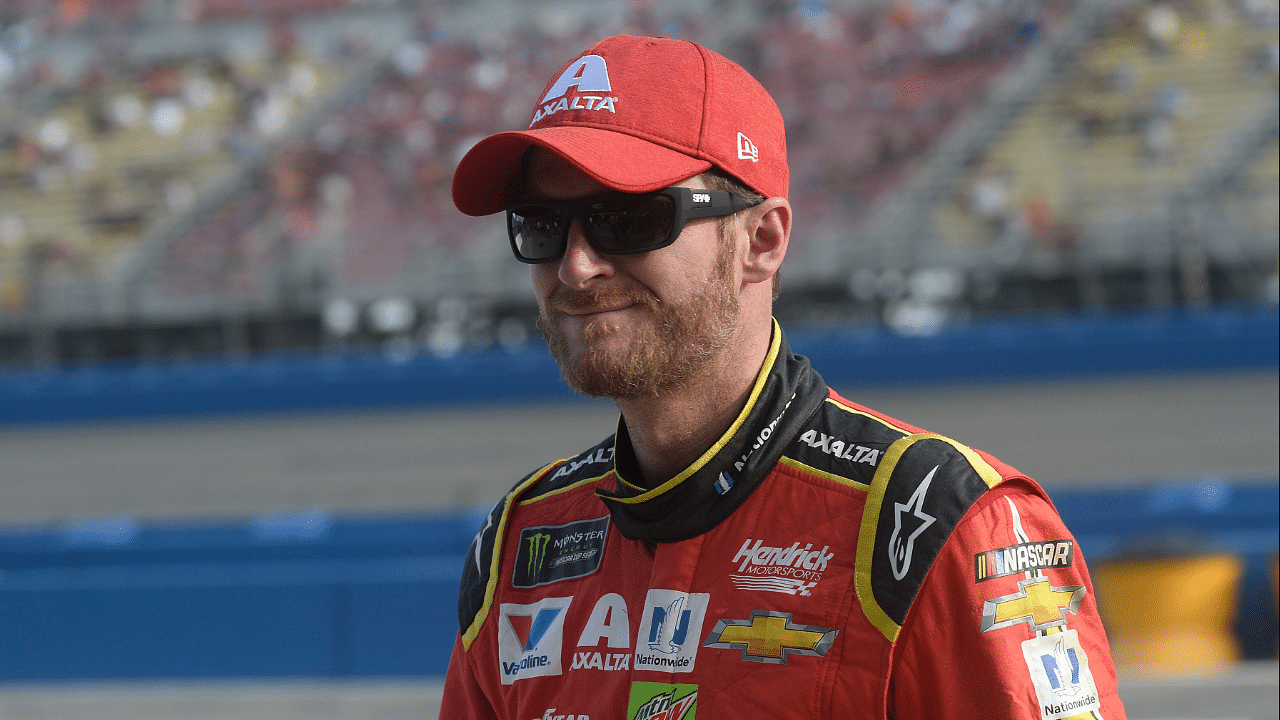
768 233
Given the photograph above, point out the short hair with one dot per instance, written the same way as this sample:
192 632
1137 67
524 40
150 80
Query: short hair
717 179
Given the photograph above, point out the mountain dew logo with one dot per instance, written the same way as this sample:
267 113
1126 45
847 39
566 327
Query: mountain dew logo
537 552
661 701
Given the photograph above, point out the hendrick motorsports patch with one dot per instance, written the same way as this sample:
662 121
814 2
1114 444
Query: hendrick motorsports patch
551 553
1023 557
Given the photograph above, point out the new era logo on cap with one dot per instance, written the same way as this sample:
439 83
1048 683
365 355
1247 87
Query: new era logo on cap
747 150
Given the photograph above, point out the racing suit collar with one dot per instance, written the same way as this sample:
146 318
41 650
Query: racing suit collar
786 394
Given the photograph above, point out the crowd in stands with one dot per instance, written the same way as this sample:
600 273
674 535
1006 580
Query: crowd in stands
865 91
360 200
103 138
1157 88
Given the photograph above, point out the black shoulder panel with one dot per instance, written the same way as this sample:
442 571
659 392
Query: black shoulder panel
589 465
475 570
921 490
844 441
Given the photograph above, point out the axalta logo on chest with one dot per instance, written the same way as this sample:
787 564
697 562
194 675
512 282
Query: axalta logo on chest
840 449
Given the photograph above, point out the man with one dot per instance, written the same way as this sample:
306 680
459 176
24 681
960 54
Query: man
748 544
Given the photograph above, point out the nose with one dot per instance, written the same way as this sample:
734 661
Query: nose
582 264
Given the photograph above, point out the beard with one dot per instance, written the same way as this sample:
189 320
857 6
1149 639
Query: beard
663 355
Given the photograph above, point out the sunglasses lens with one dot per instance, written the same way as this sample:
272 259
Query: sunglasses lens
538 233
630 224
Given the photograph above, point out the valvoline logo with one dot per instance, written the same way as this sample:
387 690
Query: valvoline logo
530 638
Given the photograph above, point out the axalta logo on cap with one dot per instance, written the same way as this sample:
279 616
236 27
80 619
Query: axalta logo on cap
587 74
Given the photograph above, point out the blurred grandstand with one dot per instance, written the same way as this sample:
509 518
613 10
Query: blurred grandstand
191 177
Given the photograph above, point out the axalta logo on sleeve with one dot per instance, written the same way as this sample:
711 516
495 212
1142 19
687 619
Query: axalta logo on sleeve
530 638
840 449
589 77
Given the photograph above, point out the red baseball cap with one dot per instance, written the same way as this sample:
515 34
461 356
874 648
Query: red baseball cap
638 114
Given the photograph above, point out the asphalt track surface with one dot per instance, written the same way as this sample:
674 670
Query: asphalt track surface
1115 430
1062 433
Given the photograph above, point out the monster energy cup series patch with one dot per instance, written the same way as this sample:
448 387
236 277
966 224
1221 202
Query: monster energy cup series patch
551 553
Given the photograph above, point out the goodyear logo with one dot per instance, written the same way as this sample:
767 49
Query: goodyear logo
1023 557
550 553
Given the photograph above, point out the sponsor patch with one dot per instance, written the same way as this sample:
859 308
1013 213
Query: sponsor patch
909 520
554 714
589 78
1023 557
1060 672
841 449
771 637
551 553
1037 603
670 630
662 701
792 570
530 638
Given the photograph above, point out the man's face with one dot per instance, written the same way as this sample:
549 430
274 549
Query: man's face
632 326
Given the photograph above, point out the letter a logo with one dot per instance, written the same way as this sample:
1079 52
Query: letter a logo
588 73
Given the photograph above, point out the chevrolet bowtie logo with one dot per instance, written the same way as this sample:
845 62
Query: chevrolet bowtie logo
1037 603
770 637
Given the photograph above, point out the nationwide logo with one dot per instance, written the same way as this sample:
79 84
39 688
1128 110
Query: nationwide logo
792 570
1060 673
771 637
1023 557
763 436
840 449
662 701
670 629
530 638
551 553
900 548
589 76
1037 603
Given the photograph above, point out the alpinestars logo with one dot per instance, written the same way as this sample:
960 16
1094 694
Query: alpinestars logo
589 76
900 548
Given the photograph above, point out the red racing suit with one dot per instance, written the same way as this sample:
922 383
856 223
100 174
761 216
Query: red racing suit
821 560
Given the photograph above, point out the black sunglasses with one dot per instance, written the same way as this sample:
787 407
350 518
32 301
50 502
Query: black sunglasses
615 223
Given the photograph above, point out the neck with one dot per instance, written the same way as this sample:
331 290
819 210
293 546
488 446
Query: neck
670 432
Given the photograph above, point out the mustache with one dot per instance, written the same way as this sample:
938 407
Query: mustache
568 300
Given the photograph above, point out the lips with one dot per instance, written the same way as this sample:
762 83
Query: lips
588 302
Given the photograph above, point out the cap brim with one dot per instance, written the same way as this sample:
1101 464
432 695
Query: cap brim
487 178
